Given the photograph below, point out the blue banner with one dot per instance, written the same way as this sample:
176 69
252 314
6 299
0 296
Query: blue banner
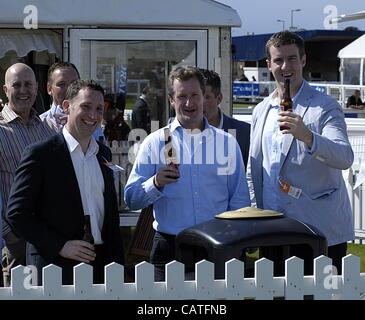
245 89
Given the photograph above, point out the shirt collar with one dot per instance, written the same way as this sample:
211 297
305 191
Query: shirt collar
9 115
174 125
73 144
274 98
56 109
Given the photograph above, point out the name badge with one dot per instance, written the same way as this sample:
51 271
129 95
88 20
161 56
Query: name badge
290 190
294 192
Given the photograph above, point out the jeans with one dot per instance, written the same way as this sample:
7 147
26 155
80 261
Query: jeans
162 252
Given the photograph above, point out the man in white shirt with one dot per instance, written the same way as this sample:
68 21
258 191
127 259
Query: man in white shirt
48 207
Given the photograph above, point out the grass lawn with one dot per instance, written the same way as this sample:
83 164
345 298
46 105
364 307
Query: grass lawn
358 250
355 249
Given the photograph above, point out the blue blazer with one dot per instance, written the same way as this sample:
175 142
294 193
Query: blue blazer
242 134
324 202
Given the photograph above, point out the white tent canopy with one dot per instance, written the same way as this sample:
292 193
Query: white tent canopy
355 49
121 13
353 62
23 41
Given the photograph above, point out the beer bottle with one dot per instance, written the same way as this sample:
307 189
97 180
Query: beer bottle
88 236
286 103
170 152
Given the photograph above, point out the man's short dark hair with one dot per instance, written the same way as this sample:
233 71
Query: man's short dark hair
145 90
184 74
77 85
284 38
60 65
213 80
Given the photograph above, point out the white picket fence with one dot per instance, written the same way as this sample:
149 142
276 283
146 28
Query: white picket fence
322 285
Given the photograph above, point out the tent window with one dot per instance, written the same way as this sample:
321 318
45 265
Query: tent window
351 73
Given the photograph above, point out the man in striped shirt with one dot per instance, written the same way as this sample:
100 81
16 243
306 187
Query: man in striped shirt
19 127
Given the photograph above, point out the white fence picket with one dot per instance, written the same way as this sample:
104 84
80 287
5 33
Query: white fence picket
204 272
175 277
350 278
52 284
235 270
294 281
322 277
114 281
264 279
21 287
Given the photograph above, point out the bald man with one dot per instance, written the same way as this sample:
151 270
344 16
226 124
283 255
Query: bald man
19 127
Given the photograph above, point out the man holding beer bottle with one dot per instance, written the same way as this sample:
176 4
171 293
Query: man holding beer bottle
189 170
63 201
297 153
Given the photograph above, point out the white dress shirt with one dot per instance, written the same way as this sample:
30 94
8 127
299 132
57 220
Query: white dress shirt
90 180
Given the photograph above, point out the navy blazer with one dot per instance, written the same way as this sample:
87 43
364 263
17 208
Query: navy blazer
242 134
45 206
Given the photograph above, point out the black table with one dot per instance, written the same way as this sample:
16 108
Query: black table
220 240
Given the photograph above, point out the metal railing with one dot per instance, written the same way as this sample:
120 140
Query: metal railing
255 91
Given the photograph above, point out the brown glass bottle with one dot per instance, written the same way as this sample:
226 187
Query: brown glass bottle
286 103
170 152
88 236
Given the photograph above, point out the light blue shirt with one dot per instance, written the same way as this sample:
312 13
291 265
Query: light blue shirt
50 115
212 178
272 142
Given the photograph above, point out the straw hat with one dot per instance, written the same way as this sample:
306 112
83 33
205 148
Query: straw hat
248 212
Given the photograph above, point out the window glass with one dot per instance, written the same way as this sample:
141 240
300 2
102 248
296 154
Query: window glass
124 68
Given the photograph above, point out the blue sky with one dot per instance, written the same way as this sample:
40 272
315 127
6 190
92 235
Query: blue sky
260 16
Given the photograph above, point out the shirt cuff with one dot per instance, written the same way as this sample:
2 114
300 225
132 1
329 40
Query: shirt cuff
314 148
152 192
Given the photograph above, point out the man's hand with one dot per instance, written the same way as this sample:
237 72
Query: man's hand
359 107
296 127
167 174
78 250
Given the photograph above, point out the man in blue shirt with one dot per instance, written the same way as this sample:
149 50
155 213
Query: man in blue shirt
189 170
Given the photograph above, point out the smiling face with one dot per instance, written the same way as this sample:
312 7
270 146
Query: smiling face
20 88
285 62
60 80
85 112
187 100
